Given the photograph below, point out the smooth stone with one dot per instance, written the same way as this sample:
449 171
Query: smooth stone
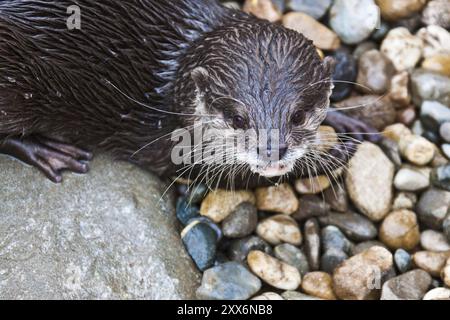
354 20
268 296
333 238
374 72
432 207
399 9
446 149
445 274
185 211
400 230
313 185
274 272
200 241
241 222
433 114
197 193
111 234
279 229
399 89
431 262
403 260
344 75
220 203
440 177
326 138
311 206
376 111
391 150
336 197
239 249
318 284
263 9
361 276
411 178
362 48
369 179
412 23
407 116
402 48
439 63
280 199
417 150
436 41
427 85
396 132
322 37
295 295
444 131
437 12
314 8
292 256
432 240
312 243
331 259
228 281
381 31
412 285
404 200
353 225
437 294
363 246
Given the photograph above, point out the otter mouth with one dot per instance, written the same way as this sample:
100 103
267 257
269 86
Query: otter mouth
272 170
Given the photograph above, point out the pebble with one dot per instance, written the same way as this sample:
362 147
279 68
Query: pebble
322 37
396 131
416 149
311 206
361 276
374 72
200 241
400 230
437 12
263 9
391 150
363 246
433 114
411 178
185 211
399 9
292 256
197 193
318 284
438 294
369 163
280 199
427 85
333 238
331 259
220 203
336 197
345 73
432 207
407 116
353 225
404 200
314 8
314 185
432 240
241 222
431 262
354 20
381 31
445 274
446 149
412 285
403 260
440 177
446 226
279 229
312 243
444 131
268 296
239 249
228 281
376 111
399 89
327 137
436 41
439 63
274 272
402 48
362 48
295 295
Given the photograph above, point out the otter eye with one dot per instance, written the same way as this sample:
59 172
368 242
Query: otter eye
239 122
298 118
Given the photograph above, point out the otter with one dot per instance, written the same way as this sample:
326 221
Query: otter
134 72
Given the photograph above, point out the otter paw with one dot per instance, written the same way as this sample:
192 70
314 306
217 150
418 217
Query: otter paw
49 156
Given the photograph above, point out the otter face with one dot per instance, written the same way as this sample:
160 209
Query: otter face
262 92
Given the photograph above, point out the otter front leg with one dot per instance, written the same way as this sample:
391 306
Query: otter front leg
49 156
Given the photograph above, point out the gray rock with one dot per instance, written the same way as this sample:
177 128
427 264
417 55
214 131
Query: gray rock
363 246
293 256
229 281
444 131
241 222
433 114
331 259
410 178
432 240
446 149
392 151
333 238
440 177
354 20
336 197
446 226
295 295
403 260
105 235
311 206
374 72
239 249
353 225
437 12
432 207
412 285
200 240
427 85
363 47
312 243
314 8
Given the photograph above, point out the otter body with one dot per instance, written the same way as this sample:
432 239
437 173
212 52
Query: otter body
138 70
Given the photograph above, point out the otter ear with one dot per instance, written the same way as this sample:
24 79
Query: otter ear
201 77
329 64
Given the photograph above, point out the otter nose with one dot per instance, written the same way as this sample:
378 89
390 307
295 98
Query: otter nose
269 153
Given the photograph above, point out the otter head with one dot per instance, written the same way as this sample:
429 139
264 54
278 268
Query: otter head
262 81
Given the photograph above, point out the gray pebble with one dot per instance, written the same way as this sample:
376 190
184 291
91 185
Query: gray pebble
200 241
238 249
312 243
440 177
331 259
293 256
241 222
311 206
402 260
363 246
313 8
432 207
353 225
444 131
333 238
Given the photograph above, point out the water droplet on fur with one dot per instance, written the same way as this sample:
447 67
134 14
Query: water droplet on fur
28 96
10 79
115 54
